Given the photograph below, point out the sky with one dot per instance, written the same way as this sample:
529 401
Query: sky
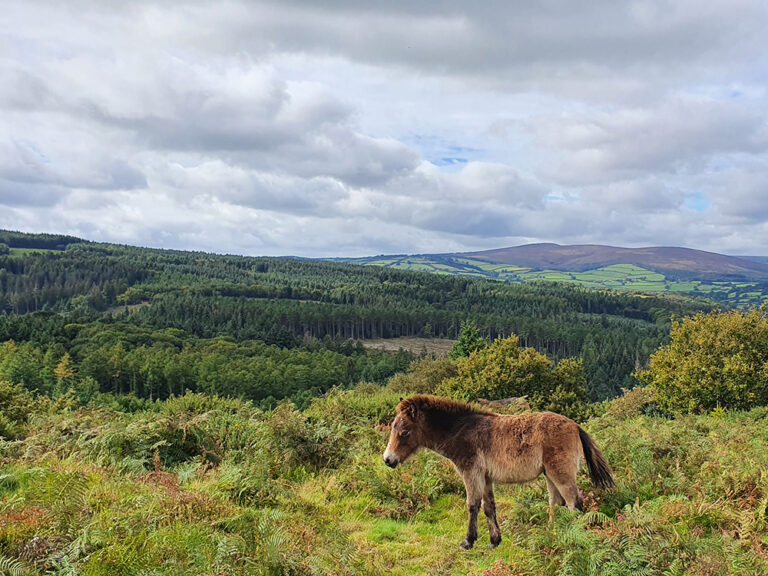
341 128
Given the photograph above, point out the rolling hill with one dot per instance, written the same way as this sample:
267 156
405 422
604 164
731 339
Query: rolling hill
730 280
673 262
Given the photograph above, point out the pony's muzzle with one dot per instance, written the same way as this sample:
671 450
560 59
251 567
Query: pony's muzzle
391 461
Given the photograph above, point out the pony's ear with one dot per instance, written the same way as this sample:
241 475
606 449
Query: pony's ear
411 409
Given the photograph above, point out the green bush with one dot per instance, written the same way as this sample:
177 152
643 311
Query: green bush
504 369
16 405
366 405
469 341
423 376
713 360
631 404
295 441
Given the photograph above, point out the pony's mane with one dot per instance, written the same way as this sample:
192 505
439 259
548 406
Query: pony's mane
437 404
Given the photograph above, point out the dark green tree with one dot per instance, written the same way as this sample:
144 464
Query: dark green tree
469 341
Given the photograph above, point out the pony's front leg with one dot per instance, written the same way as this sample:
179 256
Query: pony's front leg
474 482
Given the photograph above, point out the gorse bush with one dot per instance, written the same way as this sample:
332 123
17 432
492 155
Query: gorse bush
424 376
713 360
635 402
504 369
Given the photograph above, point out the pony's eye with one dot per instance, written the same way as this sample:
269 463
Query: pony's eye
404 433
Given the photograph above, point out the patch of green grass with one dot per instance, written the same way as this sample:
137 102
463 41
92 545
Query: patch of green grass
386 530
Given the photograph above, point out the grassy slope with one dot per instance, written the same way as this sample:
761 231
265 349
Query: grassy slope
615 277
236 491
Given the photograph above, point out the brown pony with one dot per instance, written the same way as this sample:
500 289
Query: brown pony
486 448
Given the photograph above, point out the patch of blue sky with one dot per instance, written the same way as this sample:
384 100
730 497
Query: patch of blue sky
449 161
442 152
32 147
697 202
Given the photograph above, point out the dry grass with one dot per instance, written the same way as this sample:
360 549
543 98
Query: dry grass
424 346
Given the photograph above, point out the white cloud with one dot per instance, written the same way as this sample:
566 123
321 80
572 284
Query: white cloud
291 128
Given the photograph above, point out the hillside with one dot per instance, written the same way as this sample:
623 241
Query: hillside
170 412
200 485
728 280
111 308
674 262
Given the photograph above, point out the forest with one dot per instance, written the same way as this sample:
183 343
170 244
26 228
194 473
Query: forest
232 324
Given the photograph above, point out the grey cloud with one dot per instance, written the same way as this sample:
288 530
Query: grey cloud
242 113
474 182
646 196
260 190
231 126
740 193
677 135
26 165
13 194
555 44
23 90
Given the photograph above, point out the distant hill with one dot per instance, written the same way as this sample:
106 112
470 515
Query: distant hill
762 259
673 262
14 239
731 280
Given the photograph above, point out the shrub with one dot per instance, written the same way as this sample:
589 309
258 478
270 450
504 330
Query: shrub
715 359
632 403
504 369
403 492
16 405
297 441
423 376
364 405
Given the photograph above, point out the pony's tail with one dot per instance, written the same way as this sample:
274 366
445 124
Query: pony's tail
599 470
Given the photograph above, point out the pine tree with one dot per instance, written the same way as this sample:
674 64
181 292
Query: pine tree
469 341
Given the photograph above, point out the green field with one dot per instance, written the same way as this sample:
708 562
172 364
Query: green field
615 277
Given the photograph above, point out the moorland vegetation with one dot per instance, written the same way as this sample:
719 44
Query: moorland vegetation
184 413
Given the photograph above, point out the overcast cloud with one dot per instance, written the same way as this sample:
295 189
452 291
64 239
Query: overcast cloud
342 128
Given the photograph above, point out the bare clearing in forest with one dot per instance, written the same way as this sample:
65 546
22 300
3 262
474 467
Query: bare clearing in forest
430 346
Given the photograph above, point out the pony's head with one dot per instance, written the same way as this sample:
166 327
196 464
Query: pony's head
405 436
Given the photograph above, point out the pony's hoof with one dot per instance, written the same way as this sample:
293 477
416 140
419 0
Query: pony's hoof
493 544
466 545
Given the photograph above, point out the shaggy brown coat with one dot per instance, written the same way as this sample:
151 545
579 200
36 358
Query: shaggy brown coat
486 448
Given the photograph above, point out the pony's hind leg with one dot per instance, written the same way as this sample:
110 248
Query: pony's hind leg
555 498
561 470
569 491
489 509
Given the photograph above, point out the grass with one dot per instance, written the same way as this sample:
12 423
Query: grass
196 485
